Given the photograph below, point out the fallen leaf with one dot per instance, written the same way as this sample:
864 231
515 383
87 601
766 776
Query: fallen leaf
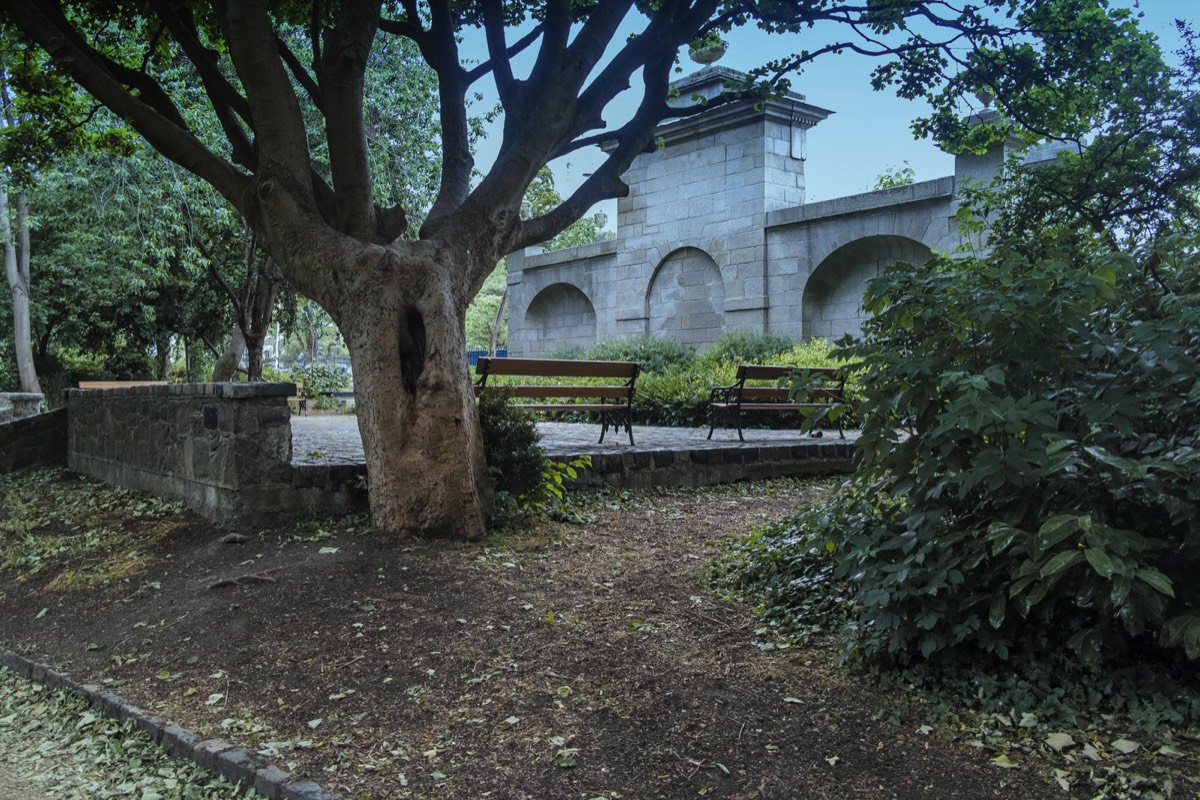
1125 746
1059 741
1005 762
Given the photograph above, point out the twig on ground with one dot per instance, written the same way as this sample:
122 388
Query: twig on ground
243 580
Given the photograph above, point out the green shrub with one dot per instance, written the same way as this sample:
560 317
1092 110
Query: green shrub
814 352
568 352
522 477
510 443
655 353
1029 466
678 397
746 347
319 378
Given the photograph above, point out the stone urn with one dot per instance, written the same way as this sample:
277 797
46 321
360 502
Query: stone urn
706 54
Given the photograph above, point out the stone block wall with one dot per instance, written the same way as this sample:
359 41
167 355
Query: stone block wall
224 449
36 441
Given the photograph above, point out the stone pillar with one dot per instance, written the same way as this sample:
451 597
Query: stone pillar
21 404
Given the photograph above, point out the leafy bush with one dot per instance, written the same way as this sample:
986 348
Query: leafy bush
655 353
523 478
1029 471
746 347
678 397
568 352
510 443
318 378
814 352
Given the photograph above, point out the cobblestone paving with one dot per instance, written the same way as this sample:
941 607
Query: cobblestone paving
334 439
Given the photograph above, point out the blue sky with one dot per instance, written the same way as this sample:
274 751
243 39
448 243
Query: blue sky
868 132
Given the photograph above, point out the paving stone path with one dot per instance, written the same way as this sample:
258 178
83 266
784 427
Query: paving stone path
334 439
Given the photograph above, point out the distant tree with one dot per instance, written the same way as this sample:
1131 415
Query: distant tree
892 177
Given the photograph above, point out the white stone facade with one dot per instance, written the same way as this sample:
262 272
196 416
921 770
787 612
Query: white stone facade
715 236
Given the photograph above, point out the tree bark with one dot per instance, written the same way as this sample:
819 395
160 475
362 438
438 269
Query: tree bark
227 363
416 408
498 322
16 268
162 357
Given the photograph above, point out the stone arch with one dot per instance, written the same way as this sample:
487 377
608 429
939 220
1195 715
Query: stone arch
833 294
561 314
686 298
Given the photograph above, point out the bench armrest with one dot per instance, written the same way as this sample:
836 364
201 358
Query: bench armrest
723 394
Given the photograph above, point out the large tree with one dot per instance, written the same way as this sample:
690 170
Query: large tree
400 301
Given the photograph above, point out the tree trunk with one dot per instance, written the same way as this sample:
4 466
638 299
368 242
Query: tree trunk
416 408
254 351
16 268
227 363
498 322
162 351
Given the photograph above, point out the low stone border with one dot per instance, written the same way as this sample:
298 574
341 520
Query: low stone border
235 763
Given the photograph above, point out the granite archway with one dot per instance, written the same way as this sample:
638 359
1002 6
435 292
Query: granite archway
685 299
832 302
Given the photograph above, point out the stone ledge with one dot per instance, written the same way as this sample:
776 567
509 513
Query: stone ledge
939 189
234 763
234 390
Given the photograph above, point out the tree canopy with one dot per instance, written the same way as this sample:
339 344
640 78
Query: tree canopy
222 88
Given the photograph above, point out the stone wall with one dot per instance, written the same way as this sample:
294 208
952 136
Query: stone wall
715 236
225 449
37 441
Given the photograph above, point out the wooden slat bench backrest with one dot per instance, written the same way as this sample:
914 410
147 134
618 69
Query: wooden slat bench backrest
728 402
760 372
118 384
616 401
556 368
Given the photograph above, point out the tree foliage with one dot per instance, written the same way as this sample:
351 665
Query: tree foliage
307 181
1029 475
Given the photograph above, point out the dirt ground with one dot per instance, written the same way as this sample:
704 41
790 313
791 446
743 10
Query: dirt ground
569 661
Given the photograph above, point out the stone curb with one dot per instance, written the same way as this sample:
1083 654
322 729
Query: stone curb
234 763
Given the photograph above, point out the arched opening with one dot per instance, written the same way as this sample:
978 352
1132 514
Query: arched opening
834 292
559 315
686 298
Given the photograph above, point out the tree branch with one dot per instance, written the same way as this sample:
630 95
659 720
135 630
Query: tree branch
343 83
45 24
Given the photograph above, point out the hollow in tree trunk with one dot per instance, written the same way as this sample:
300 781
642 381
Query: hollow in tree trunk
416 408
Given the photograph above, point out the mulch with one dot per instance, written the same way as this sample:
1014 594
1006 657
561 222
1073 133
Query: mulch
565 661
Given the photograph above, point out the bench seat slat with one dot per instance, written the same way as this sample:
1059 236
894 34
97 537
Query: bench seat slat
622 407
617 414
767 406
566 391
729 402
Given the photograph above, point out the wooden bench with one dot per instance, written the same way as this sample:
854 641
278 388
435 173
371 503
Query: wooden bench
613 402
747 393
118 384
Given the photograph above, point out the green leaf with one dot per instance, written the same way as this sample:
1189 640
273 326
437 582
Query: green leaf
996 611
1155 580
1060 563
1099 561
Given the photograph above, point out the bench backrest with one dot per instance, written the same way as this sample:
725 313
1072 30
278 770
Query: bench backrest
557 368
118 384
760 372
